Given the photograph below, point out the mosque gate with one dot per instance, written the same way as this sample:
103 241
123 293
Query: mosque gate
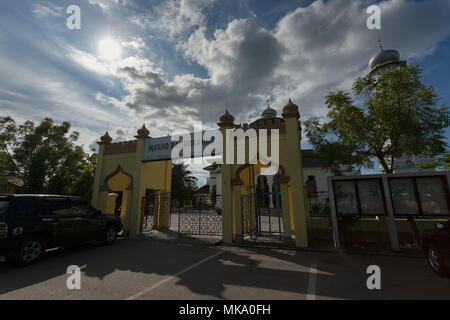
140 172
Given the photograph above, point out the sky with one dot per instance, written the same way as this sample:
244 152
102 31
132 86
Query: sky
169 63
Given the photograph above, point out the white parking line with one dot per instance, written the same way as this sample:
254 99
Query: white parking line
312 282
165 280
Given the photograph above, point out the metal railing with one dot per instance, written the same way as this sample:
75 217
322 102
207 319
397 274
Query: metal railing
198 215
319 204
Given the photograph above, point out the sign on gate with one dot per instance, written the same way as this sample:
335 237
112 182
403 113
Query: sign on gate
158 149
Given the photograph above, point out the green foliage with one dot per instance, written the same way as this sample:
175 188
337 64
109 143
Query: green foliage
399 117
442 162
45 157
183 182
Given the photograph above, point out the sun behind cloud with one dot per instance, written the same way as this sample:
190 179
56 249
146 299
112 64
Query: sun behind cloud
109 49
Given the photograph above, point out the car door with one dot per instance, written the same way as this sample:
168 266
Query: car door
56 220
446 241
87 226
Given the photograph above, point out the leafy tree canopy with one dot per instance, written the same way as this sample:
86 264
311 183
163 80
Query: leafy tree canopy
442 162
399 116
183 182
45 157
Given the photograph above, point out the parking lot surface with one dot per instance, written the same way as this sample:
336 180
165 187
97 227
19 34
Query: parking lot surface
158 268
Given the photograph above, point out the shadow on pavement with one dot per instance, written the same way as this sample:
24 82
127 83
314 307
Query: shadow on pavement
282 274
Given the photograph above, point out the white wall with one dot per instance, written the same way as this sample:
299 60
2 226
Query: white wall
321 177
215 179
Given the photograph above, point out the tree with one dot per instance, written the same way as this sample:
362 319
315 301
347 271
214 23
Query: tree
45 157
83 186
183 182
399 117
442 162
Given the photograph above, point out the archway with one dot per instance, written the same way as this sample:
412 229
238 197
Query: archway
262 212
119 184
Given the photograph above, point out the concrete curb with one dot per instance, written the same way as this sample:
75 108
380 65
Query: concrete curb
316 250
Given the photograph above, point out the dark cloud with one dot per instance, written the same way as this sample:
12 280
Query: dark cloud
313 50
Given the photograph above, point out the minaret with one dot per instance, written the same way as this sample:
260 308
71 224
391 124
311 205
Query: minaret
379 64
384 60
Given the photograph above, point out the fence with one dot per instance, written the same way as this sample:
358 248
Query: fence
155 212
319 204
187 215
414 195
198 215
262 218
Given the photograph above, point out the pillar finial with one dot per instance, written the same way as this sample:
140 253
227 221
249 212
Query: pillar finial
142 133
105 139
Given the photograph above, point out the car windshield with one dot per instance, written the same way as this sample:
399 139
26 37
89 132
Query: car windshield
4 202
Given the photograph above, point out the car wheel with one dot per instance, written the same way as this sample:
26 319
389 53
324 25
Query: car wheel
109 235
29 251
435 261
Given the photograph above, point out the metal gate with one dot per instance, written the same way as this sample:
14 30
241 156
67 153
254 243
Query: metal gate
261 215
148 214
261 208
155 212
198 215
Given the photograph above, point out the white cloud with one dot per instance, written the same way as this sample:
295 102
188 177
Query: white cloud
329 44
313 50
176 17
47 9
91 62
137 44
106 5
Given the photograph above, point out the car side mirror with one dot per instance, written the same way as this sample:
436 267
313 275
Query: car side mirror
440 226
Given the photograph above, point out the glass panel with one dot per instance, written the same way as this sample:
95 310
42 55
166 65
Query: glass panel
54 207
432 196
403 197
4 203
27 207
370 197
345 197
81 208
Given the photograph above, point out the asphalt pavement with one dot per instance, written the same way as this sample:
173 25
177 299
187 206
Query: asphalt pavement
170 268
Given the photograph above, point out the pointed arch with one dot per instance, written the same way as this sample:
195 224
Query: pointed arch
118 170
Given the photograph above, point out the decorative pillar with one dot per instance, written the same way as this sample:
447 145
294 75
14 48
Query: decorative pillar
135 219
226 121
104 141
284 190
291 117
238 232
111 203
129 212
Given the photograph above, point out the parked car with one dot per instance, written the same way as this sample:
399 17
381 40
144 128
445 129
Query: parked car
30 224
436 244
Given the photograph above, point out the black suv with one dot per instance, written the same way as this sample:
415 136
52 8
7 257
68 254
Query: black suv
436 244
29 224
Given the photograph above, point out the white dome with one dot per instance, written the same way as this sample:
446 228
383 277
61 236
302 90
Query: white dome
384 57
269 113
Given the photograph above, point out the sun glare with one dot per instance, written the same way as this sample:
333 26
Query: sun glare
109 49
